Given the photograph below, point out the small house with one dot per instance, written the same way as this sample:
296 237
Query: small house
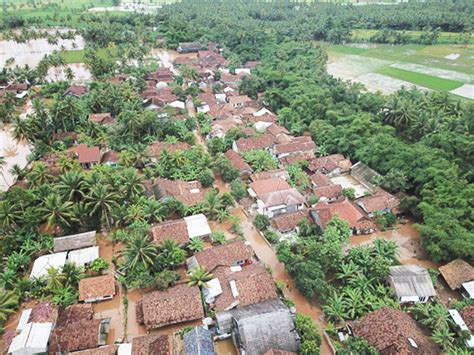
380 202
87 156
189 47
392 331
188 192
235 286
411 284
239 163
275 197
257 328
236 253
33 339
239 101
334 164
177 304
75 241
359 223
181 230
20 90
459 275
199 341
458 319
95 289
110 158
43 312
101 118
287 225
297 145
75 91
364 175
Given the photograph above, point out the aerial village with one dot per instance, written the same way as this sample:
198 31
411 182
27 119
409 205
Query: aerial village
232 294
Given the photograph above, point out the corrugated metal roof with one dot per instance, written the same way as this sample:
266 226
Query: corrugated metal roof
43 263
411 280
33 339
197 226
84 256
76 241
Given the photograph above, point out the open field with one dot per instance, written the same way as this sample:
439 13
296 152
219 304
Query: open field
386 67
77 56
363 35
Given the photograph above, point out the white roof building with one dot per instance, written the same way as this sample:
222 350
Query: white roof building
81 257
460 322
43 263
177 104
25 316
125 349
213 290
197 226
469 289
33 339
204 109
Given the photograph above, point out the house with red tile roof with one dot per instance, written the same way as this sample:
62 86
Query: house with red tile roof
287 225
241 145
181 230
178 304
95 289
332 164
162 75
359 222
297 145
101 118
275 197
75 91
235 253
188 192
212 60
87 156
157 147
239 287
239 163
380 202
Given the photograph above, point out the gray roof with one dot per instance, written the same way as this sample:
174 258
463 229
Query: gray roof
260 327
198 342
76 241
411 280
364 174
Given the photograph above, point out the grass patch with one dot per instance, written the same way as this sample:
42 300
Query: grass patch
78 56
428 81
347 49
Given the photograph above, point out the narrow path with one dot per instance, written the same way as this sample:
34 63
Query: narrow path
268 256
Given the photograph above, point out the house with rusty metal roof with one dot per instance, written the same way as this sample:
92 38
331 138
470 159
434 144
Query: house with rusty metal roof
392 331
75 241
177 304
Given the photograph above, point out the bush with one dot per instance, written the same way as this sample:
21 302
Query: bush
206 178
307 330
218 237
313 199
99 265
349 192
238 189
261 222
166 279
272 237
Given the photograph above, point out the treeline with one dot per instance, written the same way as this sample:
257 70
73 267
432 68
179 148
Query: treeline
421 141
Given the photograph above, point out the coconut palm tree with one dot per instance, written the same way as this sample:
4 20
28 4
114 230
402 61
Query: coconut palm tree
55 279
8 304
71 186
170 254
39 175
18 171
9 215
102 202
57 212
199 277
132 184
21 129
139 250
444 338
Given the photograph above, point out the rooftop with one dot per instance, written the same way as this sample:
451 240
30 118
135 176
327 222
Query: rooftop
457 272
298 144
43 263
172 229
188 192
237 161
346 210
261 142
330 163
86 154
178 304
411 280
75 241
380 200
96 287
222 255
103 118
159 344
262 187
390 332
289 221
156 148
467 314
198 341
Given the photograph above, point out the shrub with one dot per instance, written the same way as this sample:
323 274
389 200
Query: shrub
206 178
272 237
349 192
99 265
238 189
313 199
218 237
261 222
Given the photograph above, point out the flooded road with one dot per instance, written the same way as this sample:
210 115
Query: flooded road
268 256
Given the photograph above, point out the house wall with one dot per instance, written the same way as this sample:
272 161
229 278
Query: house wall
98 299
414 299
274 211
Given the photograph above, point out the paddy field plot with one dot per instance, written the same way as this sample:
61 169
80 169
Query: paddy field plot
386 68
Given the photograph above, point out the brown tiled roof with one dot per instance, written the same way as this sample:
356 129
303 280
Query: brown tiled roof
389 331
162 74
176 230
289 221
298 144
457 272
467 314
184 191
44 312
231 78
95 287
297 157
86 154
156 148
379 201
160 344
238 162
211 59
76 90
111 156
330 163
254 284
224 255
103 350
103 118
330 191
75 313
262 142
60 136
320 180
117 79
271 174
222 126
275 129
76 336
262 187
284 197
239 99
263 118
7 338
185 60
346 210
178 304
